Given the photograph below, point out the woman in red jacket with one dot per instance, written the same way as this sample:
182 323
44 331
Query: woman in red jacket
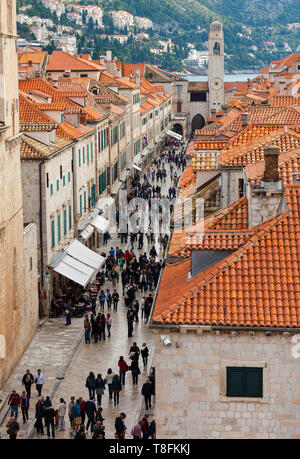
123 368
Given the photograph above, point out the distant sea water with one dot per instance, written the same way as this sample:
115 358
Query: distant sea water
235 77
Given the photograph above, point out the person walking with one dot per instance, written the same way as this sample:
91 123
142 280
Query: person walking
145 354
120 426
39 380
135 371
76 415
49 415
102 325
87 329
68 313
70 412
24 404
80 434
39 414
102 299
100 387
108 299
147 392
145 427
14 403
123 368
90 384
82 409
12 428
130 320
136 431
115 298
108 380
116 388
61 412
108 324
27 381
91 411
152 430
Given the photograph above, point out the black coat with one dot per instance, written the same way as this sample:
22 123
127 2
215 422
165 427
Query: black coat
147 389
39 410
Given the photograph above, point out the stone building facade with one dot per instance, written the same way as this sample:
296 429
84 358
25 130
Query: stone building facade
191 376
12 325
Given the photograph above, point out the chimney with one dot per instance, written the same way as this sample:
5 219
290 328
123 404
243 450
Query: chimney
108 56
245 119
271 154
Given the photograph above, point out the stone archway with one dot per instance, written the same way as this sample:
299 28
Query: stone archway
178 128
198 122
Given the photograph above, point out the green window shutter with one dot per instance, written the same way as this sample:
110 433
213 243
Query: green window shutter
88 153
108 176
64 180
83 155
58 228
92 153
51 189
80 204
57 185
79 157
244 382
101 140
84 202
65 222
70 217
52 234
99 145
99 184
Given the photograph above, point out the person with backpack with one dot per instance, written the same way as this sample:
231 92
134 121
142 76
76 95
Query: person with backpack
116 388
135 371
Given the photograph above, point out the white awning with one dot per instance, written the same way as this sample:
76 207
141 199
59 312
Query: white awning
136 167
78 263
174 134
87 232
101 223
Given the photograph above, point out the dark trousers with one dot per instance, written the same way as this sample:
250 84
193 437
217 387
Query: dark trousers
115 306
91 392
91 422
48 425
110 391
108 329
99 399
39 389
102 333
39 425
82 414
24 414
116 398
28 389
122 377
147 398
145 360
135 378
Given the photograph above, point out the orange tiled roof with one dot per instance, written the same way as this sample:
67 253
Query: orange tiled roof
256 286
285 139
59 61
35 57
232 217
207 161
188 177
30 113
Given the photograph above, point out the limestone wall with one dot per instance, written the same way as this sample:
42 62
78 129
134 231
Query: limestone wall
191 397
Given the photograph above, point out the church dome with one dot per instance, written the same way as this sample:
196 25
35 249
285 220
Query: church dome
216 26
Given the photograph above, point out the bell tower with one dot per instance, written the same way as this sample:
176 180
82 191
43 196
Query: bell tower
216 66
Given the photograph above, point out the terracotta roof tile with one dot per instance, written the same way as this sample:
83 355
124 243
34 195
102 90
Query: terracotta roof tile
188 177
258 285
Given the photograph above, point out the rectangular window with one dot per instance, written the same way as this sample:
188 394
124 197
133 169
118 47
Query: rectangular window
57 185
116 170
92 153
58 228
80 204
64 180
102 140
79 158
52 234
123 161
99 142
70 218
88 153
83 155
198 96
108 176
69 177
51 189
65 222
244 382
84 202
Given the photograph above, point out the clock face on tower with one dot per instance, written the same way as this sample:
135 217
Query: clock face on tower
216 83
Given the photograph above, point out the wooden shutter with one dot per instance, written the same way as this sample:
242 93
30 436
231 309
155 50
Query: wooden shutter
244 382
234 382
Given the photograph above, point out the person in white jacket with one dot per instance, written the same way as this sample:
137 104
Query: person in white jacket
39 380
61 411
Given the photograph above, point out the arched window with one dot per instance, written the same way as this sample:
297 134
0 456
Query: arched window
216 49
9 16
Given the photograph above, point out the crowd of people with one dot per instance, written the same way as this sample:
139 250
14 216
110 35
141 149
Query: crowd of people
133 274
